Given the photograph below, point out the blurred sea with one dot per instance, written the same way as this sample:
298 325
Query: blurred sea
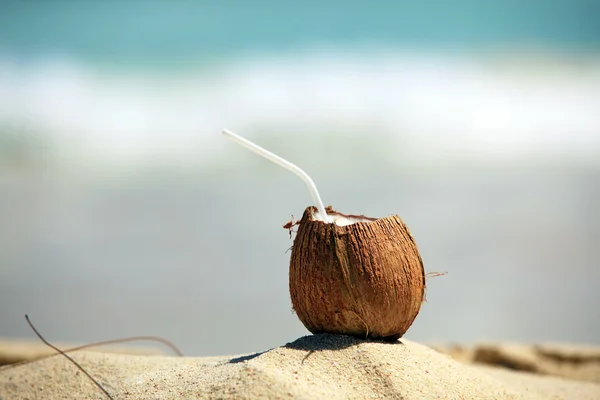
124 212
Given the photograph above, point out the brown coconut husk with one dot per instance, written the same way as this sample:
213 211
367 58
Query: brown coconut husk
365 279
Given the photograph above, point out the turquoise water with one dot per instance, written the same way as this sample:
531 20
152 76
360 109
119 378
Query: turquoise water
178 31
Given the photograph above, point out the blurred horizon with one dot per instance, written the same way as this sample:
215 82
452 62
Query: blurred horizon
120 83
126 212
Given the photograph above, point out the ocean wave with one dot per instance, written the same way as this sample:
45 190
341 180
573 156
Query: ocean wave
432 107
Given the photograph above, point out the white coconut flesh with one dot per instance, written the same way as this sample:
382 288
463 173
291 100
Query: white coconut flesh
340 220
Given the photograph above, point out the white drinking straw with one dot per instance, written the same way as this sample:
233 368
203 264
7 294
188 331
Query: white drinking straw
285 164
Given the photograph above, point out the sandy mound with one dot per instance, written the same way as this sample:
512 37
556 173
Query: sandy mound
567 361
312 367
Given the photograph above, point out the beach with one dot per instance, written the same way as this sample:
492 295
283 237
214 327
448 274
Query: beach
312 367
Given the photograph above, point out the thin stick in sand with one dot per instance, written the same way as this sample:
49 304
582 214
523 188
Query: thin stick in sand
166 342
68 358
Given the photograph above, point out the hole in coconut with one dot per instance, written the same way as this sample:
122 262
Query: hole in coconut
340 219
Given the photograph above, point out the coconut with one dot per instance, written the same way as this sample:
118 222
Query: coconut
350 274
355 275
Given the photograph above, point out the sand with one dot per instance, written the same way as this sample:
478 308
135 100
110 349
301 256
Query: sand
567 361
312 367
14 351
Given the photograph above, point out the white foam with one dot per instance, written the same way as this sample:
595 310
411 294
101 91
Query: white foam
435 106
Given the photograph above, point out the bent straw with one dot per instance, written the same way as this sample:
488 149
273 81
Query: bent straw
285 164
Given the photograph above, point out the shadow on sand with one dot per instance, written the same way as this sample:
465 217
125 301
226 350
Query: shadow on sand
320 342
